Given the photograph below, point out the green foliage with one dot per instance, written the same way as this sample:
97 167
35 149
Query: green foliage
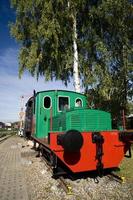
44 28
130 107
42 31
110 67
126 169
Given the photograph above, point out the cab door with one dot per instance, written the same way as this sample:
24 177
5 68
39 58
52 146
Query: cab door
47 102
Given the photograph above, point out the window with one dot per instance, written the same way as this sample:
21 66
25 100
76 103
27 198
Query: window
78 102
29 109
63 103
30 104
47 102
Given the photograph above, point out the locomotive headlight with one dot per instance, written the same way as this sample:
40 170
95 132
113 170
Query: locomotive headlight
71 141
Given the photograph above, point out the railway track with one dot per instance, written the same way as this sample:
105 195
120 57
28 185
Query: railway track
67 186
2 139
62 182
114 177
80 187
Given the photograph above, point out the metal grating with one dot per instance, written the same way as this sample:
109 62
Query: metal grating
89 120
75 121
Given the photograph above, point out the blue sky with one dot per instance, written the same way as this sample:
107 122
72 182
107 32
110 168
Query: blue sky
11 87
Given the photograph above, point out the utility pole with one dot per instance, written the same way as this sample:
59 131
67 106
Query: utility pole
22 113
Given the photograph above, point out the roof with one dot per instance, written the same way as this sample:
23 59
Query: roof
59 91
54 91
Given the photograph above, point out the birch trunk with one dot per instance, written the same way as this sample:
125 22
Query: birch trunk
76 60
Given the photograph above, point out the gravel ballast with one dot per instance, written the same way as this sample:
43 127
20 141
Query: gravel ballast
41 185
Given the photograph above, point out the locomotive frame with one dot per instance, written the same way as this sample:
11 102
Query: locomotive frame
78 138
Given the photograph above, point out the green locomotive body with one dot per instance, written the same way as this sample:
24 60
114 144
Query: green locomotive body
58 110
81 119
72 136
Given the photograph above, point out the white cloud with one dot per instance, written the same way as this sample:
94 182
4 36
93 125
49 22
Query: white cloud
11 87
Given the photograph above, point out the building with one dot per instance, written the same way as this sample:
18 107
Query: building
2 125
8 126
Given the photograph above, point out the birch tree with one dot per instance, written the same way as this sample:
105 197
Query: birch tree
91 40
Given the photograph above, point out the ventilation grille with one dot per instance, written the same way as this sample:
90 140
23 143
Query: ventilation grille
90 120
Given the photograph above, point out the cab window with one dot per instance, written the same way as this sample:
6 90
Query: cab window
47 102
63 103
30 104
78 102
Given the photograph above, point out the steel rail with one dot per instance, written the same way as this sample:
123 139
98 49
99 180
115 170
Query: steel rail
2 139
66 187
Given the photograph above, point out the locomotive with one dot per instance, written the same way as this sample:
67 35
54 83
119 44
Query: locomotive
71 136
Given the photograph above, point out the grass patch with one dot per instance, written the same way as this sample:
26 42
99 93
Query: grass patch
126 168
7 132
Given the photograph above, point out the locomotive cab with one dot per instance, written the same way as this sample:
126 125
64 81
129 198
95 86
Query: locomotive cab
50 104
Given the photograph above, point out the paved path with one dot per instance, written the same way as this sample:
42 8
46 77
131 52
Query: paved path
12 178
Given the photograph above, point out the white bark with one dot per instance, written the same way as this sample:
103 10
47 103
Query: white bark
76 60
